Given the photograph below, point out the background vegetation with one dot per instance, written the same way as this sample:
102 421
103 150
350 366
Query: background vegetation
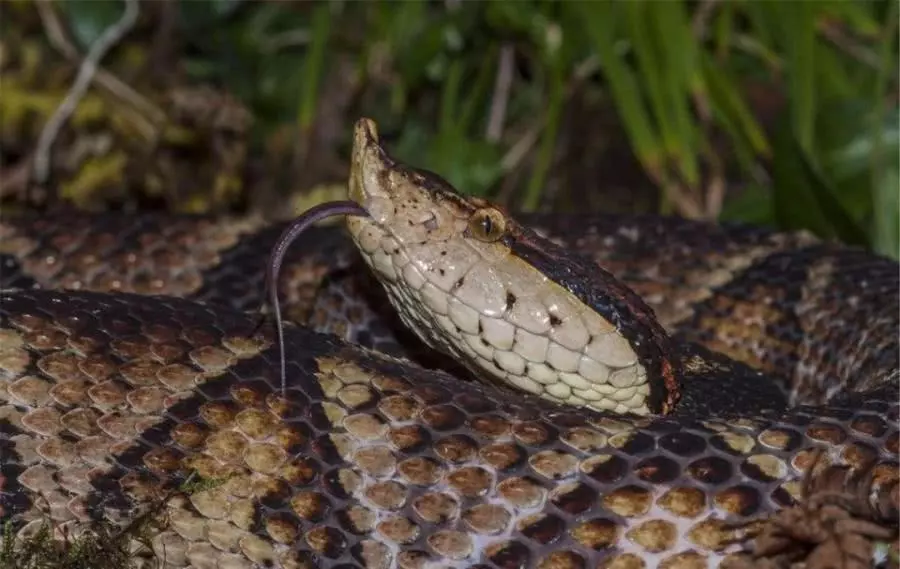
783 113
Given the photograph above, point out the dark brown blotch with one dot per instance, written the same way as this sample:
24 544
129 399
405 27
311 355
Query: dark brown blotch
739 500
508 555
711 470
542 528
657 470
443 417
456 448
326 541
574 497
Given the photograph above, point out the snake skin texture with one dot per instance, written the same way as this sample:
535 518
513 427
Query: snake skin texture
148 372
111 400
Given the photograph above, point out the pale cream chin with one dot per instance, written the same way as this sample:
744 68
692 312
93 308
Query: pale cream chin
453 294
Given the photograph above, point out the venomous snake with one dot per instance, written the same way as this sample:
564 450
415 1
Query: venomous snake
129 363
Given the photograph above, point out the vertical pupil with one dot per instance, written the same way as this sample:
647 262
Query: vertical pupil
486 224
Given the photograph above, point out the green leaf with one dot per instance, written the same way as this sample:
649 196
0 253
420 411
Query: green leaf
599 17
198 14
727 100
680 79
797 21
857 16
650 72
760 15
886 230
753 204
313 64
450 99
831 75
516 17
471 165
548 139
89 18
478 93
857 141
415 42
885 167
724 29
803 199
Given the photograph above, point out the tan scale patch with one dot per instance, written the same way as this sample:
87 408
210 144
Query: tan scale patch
653 536
73 255
81 405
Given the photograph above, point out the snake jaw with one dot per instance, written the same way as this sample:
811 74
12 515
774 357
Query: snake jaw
370 167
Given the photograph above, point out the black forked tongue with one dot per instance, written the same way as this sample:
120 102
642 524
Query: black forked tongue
276 259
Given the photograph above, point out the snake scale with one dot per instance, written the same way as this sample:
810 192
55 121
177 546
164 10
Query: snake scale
130 362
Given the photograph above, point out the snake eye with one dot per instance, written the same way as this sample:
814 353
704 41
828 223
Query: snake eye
487 224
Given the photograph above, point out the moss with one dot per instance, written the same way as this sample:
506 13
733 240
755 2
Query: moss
94 176
195 484
100 547
49 546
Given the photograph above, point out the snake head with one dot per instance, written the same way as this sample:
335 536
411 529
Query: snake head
513 306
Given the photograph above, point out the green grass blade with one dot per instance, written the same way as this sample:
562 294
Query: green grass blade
450 99
315 61
680 79
857 16
623 84
726 99
798 25
723 29
803 199
760 16
650 71
885 168
479 90
555 99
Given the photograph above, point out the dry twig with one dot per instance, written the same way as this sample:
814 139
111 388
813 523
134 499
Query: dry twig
86 72
56 33
500 98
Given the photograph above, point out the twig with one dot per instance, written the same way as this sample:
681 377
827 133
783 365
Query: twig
680 197
500 97
518 151
700 22
847 44
58 38
284 40
715 190
110 37
583 70
523 146
14 178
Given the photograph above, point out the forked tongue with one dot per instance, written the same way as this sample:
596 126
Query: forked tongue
366 154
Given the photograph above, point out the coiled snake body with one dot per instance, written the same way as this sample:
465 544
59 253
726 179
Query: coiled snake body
112 395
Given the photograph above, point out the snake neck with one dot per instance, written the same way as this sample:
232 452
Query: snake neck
602 292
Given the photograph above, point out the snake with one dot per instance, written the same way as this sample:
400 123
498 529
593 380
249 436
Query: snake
463 387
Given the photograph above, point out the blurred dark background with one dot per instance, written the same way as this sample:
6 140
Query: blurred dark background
781 113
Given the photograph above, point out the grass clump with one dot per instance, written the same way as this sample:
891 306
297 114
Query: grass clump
102 546
99 547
